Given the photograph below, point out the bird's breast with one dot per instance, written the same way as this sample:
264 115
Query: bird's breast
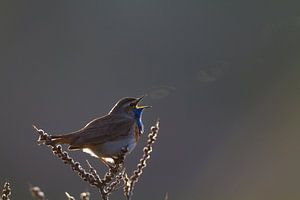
137 133
115 147
140 125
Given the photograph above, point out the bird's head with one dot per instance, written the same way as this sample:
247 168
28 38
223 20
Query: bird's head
129 106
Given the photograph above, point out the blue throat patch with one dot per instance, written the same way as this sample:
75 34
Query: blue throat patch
138 117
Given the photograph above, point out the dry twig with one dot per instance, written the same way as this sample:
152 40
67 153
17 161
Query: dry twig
69 196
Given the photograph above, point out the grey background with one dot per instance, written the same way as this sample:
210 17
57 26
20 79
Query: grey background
222 76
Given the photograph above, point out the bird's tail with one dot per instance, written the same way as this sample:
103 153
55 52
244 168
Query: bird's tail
63 139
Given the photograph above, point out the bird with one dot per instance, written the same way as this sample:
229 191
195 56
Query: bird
109 137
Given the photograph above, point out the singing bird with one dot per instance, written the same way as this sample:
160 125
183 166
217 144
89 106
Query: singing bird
108 136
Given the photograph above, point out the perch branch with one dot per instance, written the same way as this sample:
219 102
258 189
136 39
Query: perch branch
114 176
91 177
130 182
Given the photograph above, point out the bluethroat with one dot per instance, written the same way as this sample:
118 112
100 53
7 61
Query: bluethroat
109 136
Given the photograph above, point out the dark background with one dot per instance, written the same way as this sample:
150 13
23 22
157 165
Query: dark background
222 76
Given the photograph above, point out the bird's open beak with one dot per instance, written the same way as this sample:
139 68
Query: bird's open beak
139 106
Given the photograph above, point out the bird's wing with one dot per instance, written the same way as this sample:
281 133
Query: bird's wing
103 129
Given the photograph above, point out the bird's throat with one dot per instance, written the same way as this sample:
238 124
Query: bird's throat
138 117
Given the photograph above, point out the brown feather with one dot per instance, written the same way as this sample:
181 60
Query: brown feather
137 133
101 130
62 139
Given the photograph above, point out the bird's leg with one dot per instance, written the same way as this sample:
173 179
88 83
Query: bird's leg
116 161
119 160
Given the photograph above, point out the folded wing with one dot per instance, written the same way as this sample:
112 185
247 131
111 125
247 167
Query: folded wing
102 130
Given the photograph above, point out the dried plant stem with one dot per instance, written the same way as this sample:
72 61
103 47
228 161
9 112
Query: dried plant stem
92 178
64 156
38 194
130 182
104 185
6 192
70 197
115 175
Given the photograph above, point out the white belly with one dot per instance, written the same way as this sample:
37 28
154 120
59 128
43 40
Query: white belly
111 149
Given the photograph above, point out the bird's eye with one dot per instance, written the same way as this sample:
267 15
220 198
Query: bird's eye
132 105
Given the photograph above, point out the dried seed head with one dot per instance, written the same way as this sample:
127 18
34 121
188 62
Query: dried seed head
37 193
6 192
85 196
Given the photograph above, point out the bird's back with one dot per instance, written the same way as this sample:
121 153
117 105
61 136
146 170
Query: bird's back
102 130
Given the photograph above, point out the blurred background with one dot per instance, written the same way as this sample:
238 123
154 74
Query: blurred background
222 76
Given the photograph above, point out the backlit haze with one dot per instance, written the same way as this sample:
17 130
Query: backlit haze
222 77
